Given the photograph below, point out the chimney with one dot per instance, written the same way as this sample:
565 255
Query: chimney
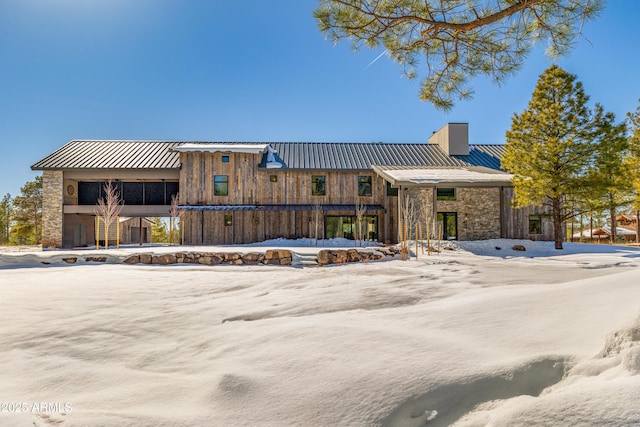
453 138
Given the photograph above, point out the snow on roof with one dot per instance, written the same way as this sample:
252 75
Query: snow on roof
223 148
434 176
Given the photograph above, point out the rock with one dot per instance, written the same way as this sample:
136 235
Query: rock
96 259
146 258
285 261
133 259
341 256
498 248
324 257
252 258
271 254
163 259
518 248
283 253
71 260
232 257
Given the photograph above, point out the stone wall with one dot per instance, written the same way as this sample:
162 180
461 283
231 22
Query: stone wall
52 207
477 208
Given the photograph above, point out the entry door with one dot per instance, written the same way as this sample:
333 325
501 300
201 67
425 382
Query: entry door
448 223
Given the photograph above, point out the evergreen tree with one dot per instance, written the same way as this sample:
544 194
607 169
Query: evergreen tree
610 183
6 209
633 163
549 147
456 39
27 214
159 232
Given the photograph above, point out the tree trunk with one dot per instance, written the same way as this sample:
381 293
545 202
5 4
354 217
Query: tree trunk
612 213
637 226
558 236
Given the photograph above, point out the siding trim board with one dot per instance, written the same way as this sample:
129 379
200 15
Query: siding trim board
324 208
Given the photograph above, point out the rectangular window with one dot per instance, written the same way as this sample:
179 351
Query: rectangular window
448 225
364 185
221 185
391 191
273 178
318 185
225 159
228 220
535 224
446 194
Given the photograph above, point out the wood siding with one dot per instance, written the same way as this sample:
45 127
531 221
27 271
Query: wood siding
249 186
515 221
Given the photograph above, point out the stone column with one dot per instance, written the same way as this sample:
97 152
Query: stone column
52 209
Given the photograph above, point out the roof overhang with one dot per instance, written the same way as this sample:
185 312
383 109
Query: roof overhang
223 148
467 176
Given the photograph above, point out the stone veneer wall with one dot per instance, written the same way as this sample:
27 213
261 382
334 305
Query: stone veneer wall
52 209
478 210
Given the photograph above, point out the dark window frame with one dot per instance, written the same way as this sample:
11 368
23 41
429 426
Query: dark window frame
225 159
365 185
533 220
391 191
318 185
221 185
446 194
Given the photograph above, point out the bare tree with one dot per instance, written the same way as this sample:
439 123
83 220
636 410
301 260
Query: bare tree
315 220
360 211
174 212
109 208
408 218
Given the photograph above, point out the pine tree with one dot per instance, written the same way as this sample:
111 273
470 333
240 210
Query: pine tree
633 163
159 232
27 214
549 147
610 184
6 210
456 39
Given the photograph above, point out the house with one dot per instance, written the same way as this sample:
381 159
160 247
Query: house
234 192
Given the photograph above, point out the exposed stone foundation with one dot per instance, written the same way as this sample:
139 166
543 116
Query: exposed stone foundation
52 205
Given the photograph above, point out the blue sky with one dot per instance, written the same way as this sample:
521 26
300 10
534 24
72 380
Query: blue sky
246 71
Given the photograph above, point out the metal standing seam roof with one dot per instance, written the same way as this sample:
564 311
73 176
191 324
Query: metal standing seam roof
107 154
112 155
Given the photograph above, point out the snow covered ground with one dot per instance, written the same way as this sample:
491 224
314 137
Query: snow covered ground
473 336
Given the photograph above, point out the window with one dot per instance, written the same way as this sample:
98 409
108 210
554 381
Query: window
273 178
228 220
535 224
364 185
345 227
225 159
221 185
318 185
391 191
446 194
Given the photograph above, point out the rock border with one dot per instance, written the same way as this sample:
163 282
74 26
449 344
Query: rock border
270 257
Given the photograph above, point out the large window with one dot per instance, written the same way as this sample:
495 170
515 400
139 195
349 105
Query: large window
446 194
133 193
448 225
318 185
364 185
221 185
345 227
